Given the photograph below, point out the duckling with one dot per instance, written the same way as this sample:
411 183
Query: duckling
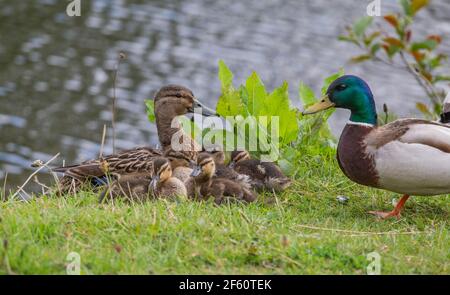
132 187
263 175
143 186
163 184
203 183
180 163
223 171
170 101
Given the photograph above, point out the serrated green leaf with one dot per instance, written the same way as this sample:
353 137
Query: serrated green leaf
277 102
441 78
256 94
392 50
288 127
225 77
328 80
360 58
348 39
427 44
150 108
306 94
229 103
406 7
244 96
416 5
375 47
423 108
360 26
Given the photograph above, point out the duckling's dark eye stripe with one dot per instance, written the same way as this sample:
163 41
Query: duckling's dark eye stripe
162 168
205 162
241 156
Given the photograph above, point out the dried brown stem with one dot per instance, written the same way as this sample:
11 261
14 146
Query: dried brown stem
33 174
113 119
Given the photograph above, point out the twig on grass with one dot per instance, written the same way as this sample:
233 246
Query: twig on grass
33 174
360 233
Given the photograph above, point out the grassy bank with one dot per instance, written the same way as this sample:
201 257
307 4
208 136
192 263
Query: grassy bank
303 231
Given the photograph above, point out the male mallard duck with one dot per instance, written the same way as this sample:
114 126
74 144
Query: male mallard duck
407 156
141 186
203 183
170 101
263 175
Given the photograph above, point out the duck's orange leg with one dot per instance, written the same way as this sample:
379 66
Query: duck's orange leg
393 213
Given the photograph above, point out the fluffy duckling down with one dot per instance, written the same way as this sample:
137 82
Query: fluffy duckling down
204 184
263 175
143 186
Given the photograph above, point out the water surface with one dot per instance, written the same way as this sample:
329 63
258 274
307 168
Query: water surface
55 70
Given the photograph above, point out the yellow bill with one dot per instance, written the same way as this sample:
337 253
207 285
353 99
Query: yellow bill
323 104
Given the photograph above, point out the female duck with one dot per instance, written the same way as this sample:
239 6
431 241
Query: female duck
142 186
170 101
263 175
407 156
203 183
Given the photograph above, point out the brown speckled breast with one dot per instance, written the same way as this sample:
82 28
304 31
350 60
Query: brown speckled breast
351 156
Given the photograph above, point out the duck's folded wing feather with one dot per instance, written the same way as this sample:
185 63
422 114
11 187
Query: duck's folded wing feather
416 161
81 171
432 135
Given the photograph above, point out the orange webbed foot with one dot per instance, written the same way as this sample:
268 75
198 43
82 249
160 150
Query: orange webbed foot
385 215
394 213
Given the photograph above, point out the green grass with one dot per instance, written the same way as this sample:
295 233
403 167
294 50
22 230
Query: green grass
304 231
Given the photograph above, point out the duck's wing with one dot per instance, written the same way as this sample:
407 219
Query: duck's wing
128 161
412 156
82 171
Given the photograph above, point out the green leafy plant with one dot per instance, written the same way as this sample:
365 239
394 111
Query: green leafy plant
314 129
251 99
393 43
150 107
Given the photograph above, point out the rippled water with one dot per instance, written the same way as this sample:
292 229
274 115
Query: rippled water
55 70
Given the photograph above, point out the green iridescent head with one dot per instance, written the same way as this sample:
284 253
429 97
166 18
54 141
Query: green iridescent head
352 93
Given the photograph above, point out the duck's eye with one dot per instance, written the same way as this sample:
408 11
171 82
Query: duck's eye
341 87
178 95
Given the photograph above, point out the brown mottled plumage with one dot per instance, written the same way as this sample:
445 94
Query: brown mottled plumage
170 101
143 186
263 175
203 184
